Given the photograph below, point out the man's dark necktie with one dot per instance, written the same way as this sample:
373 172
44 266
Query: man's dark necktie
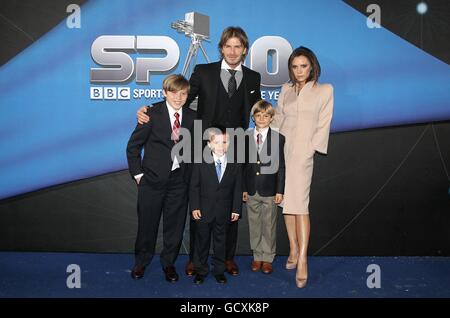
232 85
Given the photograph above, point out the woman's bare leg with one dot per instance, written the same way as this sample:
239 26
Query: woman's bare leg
290 221
302 233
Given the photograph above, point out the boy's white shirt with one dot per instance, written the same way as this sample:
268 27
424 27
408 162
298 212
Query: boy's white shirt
263 132
172 111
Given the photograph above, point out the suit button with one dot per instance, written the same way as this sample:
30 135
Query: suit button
257 173
258 162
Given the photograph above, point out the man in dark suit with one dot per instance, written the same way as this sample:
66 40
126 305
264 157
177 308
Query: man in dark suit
226 92
162 180
215 197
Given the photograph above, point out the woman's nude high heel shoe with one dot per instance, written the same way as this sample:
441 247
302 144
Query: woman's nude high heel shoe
301 282
291 264
301 278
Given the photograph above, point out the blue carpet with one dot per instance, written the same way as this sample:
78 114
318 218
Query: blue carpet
108 275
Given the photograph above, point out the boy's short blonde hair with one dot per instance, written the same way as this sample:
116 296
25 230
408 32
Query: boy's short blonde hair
175 83
263 106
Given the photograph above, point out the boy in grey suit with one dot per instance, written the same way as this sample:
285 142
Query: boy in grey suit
263 185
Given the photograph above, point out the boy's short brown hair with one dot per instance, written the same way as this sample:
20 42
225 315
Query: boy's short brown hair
263 106
175 83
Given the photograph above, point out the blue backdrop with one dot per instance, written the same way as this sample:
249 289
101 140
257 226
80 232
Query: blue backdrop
51 132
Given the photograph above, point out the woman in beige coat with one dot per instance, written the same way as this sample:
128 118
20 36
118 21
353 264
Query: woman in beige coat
303 116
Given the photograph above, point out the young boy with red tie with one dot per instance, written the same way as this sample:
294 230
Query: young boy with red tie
263 185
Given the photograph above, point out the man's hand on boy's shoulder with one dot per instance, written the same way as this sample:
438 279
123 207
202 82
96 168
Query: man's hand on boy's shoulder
142 116
234 217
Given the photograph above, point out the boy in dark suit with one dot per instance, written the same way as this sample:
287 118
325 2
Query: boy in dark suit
263 185
162 179
215 198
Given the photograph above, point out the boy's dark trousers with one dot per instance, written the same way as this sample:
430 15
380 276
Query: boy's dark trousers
161 191
231 239
216 201
168 199
203 232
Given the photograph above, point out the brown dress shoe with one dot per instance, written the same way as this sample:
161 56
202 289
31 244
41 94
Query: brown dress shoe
190 271
171 274
256 266
267 268
231 267
138 272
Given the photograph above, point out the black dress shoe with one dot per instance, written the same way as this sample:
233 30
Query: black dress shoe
171 274
138 272
199 279
220 278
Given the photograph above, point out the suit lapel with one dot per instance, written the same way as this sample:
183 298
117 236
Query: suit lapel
212 170
245 77
305 93
253 147
266 144
186 121
166 120
227 171
215 81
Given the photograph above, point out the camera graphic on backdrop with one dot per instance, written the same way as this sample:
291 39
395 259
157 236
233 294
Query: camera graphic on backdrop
118 67
118 70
